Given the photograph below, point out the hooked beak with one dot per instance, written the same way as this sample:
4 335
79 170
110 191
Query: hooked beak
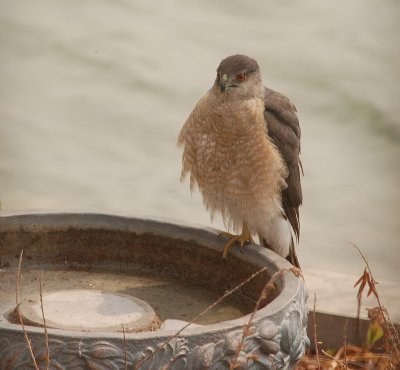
222 86
223 83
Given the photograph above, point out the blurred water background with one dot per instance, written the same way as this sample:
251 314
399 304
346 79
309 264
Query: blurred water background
94 92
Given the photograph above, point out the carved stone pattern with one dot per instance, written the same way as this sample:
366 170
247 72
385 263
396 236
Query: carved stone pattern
267 346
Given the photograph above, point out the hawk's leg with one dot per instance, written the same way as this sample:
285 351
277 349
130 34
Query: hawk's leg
242 239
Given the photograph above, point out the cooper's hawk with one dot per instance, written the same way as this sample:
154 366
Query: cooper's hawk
241 147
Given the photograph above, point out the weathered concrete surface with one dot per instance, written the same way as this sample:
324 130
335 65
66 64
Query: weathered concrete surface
336 294
90 310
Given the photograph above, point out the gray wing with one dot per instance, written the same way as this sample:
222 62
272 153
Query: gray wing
284 130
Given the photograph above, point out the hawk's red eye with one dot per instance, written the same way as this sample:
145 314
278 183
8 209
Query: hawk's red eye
241 77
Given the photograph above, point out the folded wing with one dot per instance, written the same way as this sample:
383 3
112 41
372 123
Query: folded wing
284 130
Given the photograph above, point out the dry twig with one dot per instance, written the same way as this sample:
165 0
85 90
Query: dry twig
268 289
46 336
125 352
315 333
337 361
390 335
202 313
345 344
27 340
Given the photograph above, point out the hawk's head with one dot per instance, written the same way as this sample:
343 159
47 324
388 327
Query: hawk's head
240 75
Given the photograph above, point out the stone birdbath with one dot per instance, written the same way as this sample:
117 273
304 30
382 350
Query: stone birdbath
121 292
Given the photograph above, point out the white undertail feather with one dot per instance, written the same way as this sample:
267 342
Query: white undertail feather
277 235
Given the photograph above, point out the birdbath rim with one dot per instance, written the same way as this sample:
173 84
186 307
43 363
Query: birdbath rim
33 220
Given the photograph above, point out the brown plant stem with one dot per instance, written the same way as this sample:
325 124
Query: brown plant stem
268 289
315 333
334 359
219 300
125 351
27 340
393 338
46 336
345 344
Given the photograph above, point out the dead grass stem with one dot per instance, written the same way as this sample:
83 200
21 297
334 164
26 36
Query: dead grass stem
125 350
265 294
391 337
355 357
46 336
345 344
202 313
27 340
315 333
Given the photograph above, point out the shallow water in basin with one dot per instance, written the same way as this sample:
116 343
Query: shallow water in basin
169 298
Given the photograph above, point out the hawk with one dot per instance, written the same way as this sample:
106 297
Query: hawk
241 147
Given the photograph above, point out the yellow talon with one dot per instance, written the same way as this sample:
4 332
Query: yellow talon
242 239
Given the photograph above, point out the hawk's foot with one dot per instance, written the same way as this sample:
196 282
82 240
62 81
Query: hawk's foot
244 238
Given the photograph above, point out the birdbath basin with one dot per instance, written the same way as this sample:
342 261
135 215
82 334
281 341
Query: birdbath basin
120 292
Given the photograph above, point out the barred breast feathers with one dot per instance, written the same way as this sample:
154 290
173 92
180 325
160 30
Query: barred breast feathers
227 153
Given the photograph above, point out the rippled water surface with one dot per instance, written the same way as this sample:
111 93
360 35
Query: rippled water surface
93 95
